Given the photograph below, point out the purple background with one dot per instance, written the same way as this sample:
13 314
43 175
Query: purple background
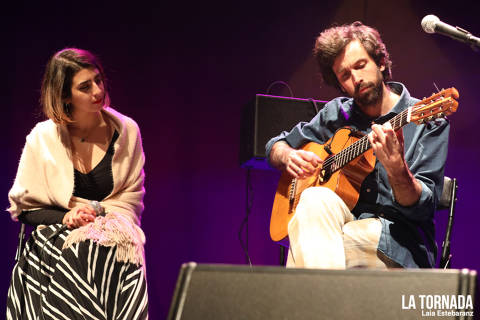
185 71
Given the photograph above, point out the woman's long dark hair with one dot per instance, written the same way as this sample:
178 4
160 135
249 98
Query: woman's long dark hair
57 81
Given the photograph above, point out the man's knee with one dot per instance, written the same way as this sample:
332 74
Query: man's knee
317 194
365 231
321 204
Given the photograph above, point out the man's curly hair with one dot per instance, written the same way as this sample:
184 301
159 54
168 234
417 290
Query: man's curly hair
332 41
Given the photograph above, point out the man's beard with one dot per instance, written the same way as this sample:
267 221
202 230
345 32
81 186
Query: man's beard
372 96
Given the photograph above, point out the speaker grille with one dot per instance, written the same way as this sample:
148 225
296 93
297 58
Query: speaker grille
239 292
266 117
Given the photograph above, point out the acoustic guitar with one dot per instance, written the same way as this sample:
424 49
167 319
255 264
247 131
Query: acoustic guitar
347 160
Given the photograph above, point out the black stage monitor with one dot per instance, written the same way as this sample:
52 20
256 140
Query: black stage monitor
242 292
266 117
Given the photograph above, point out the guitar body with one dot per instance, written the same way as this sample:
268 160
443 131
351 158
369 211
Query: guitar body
345 182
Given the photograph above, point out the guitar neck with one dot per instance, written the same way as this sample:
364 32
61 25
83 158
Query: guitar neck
339 160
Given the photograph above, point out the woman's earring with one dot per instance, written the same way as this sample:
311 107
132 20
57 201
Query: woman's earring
67 108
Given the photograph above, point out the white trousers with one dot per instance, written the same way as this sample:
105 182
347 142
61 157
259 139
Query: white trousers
324 234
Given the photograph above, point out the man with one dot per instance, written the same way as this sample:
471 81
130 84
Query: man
392 223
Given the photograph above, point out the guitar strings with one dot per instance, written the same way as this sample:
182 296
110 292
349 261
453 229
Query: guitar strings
343 157
358 147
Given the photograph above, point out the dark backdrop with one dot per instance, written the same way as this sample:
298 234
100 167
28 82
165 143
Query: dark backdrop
184 71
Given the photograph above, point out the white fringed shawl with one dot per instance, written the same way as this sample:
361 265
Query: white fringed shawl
45 178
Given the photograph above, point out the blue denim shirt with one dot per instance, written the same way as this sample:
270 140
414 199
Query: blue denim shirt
408 233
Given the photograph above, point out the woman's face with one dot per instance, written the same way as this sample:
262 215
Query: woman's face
88 91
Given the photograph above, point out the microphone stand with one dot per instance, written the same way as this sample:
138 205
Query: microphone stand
473 41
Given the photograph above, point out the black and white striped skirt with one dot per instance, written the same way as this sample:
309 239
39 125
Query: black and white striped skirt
82 282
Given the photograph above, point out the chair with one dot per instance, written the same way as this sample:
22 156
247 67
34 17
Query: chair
21 242
448 201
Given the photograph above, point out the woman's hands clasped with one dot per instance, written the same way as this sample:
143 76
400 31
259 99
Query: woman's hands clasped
79 216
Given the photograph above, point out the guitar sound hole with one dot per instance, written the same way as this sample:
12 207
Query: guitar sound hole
321 176
324 175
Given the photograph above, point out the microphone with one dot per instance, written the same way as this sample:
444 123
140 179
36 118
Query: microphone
432 24
99 210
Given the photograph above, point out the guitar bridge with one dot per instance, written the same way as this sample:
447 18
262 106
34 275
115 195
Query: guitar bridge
291 193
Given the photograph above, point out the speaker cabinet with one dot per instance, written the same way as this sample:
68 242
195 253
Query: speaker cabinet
242 292
266 117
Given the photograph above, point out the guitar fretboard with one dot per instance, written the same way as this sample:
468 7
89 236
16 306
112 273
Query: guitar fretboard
357 148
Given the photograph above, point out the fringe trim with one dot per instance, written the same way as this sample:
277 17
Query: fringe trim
113 230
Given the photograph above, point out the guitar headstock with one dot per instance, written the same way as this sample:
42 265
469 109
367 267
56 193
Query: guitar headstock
438 105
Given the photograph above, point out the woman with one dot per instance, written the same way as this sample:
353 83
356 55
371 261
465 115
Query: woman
80 181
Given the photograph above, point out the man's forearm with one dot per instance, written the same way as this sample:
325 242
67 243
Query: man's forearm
406 189
278 154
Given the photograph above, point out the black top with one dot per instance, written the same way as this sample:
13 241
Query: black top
98 183
94 185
